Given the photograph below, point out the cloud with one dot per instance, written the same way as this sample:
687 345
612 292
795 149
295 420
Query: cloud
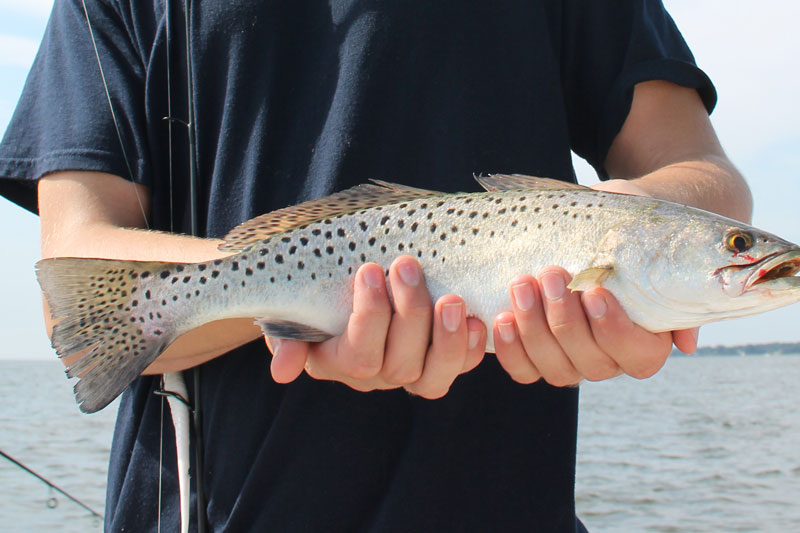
17 51
34 8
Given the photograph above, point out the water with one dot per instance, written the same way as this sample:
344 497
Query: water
708 444
41 426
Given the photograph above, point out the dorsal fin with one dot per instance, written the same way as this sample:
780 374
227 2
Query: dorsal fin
519 182
347 201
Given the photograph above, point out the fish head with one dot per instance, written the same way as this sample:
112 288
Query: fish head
706 268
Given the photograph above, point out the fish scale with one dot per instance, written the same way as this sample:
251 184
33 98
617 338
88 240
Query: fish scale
293 269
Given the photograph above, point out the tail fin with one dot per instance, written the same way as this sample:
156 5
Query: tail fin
96 305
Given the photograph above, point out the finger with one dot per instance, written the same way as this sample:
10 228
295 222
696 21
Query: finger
476 344
543 349
358 352
568 322
510 352
410 329
686 339
636 351
288 359
448 350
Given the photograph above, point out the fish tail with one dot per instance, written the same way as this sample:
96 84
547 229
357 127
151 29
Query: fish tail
95 303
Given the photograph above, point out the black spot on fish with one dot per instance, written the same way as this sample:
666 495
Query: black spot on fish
203 280
272 280
411 212
288 277
303 241
463 242
186 279
201 268
514 223
383 248
400 246
385 219
235 264
175 297
313 275
371 241
451 210
501 211
217 262
164 274
175 280
429 215
475 231
327 221
340 232
454 228
135 303
363 258
401 223
414 226
419 253
248 271
352 246
316 231
328 234
144 274
340 260
329 250
317 252
423 205
179 268
163 302
260 265
286 239
433 227
279 259
215 273
443 236
433 254
263 252
146 294
363 225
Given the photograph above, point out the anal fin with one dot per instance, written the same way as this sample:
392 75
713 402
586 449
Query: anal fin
286 329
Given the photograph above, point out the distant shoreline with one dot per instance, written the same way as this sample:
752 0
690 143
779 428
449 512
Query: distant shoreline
769 348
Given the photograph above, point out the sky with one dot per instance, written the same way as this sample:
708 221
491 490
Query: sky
749 49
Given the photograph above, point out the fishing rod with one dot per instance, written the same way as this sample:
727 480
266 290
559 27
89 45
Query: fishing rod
51 485
195 409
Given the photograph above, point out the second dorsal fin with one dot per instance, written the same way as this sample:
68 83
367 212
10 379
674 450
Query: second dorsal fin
519 182
347 201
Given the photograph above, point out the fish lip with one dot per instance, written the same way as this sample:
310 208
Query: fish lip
771 267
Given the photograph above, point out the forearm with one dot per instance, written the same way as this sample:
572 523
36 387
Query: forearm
712 183
77 222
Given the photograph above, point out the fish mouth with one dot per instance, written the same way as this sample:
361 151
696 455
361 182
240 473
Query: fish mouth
773 270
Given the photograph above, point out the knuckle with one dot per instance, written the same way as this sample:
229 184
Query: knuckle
401 375
600 372
563 379
361 365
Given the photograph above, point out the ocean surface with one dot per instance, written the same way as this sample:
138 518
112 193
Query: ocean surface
708 444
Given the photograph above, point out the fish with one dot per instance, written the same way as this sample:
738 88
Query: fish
670 266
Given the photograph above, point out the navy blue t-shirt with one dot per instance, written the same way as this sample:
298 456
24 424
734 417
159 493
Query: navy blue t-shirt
294 100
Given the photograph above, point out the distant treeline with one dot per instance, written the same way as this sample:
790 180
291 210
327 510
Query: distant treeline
770 348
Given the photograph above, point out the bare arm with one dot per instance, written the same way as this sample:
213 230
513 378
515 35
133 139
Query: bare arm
667 149
90 214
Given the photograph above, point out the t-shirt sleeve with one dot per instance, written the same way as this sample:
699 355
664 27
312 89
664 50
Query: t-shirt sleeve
608 48
63 120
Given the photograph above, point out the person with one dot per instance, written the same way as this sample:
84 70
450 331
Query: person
401 423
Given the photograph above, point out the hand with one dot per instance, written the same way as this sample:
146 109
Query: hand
417 346
566 336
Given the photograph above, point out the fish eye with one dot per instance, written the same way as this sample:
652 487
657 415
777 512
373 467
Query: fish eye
738 241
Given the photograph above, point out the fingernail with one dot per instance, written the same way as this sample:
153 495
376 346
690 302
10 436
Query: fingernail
473 338
523 296
373 277
507 331
409 273
451 316
595 305
553 286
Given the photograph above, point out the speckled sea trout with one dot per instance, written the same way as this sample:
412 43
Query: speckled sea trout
670 266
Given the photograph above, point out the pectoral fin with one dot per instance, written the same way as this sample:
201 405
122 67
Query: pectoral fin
285 329
590 278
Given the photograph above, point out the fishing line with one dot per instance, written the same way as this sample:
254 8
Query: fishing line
113 114
196 412
52 486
